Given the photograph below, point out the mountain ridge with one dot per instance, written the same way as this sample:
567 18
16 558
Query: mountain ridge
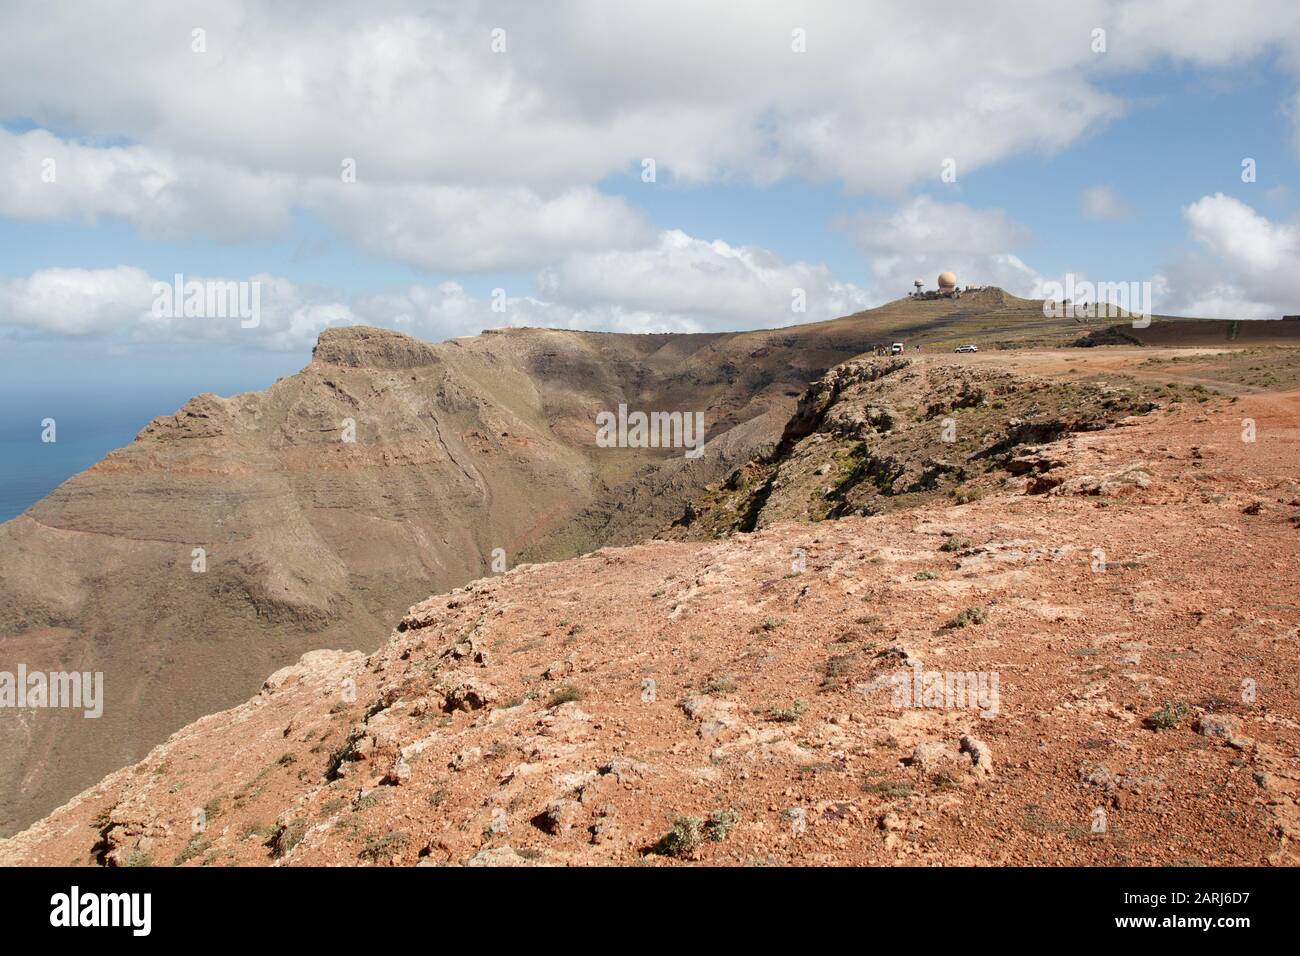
309 540
735 701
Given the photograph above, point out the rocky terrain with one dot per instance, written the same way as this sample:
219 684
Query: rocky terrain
310 539
879 434
1116 592
237 534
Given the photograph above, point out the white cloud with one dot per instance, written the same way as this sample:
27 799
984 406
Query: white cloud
457 227
430 227
1246 268
924 237
47 178
76 301
925 225
471 160
584 91
1248 265
677 284
1103 203
701 284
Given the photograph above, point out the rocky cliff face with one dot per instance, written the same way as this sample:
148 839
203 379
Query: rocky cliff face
738 701
880 434
239 533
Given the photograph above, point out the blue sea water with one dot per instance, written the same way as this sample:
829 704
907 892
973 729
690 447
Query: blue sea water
100 399
85 430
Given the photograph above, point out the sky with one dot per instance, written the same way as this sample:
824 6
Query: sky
440 168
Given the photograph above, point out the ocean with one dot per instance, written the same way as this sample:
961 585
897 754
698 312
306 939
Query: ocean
100 400
84 431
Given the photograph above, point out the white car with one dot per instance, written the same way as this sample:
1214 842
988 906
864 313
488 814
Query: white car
966 348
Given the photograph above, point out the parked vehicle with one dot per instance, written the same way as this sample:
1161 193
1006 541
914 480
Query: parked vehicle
966 348
896 348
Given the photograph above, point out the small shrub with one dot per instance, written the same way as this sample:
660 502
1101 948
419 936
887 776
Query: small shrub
925 576
720 823
564 695
954 543
381 848
1168 716
837 666
834 670
192 849
787 715
681 840
332 807
889 789
971 615
722 684
341 755
287 836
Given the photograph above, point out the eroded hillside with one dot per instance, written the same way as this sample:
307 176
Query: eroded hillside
308 539
736 700
880 434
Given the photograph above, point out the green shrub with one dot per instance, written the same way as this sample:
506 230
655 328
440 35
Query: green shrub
681 840
1168 716
287 836
720 823
971 615
723 684
192 849
380 848
787 715
564 695
889 789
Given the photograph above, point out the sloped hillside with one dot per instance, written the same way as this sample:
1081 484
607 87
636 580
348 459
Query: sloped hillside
237 534
876 435
309 539
737 701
